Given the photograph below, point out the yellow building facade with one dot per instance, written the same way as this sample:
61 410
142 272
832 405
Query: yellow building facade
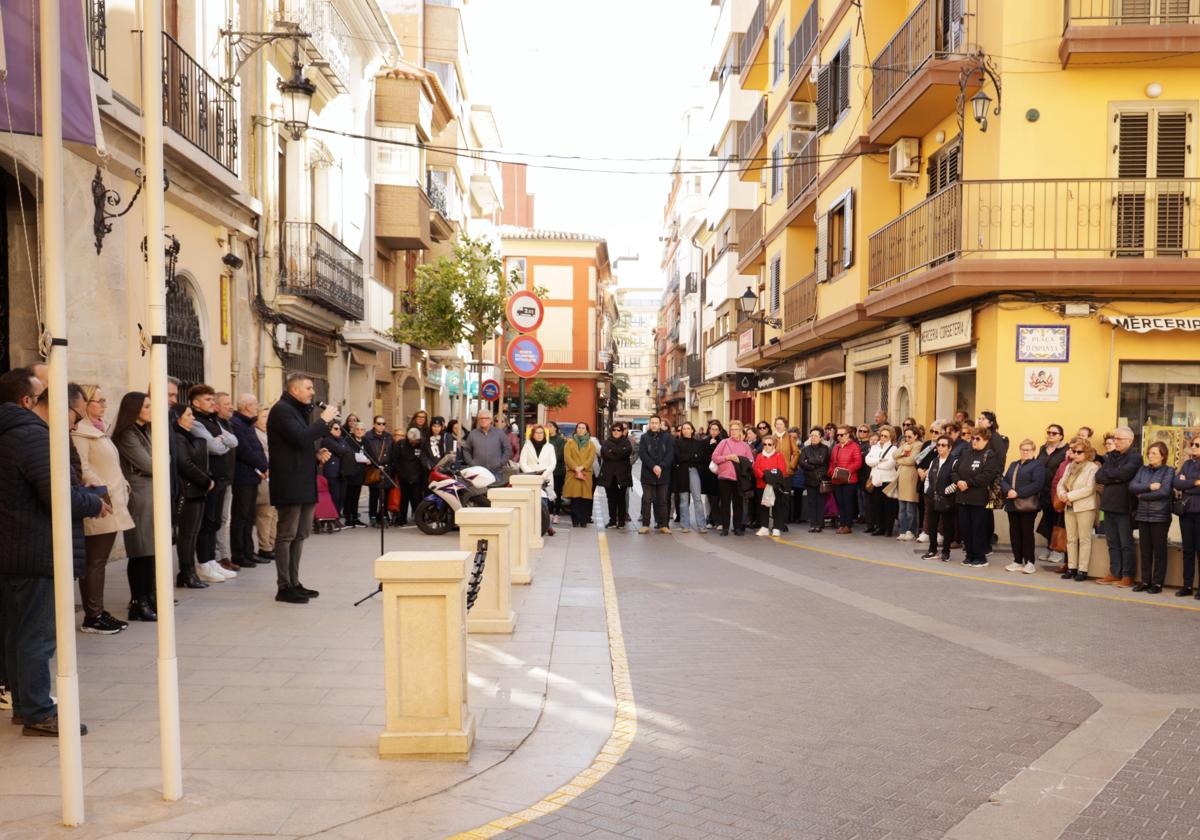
973 205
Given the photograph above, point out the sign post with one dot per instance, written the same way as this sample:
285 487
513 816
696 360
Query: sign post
525 312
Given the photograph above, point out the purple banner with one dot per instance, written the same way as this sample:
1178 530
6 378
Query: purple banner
19 19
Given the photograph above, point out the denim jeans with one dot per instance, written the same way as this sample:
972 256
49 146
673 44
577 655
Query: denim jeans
908 517
1118 530
696 506
27 633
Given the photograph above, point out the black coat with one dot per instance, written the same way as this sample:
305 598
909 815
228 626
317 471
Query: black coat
26 544
938 483
746 481
352 471
408 461
979 469
291 446
656 449
616 463
378 447
249 452
708 479
689 453
1185 482
191 464
814 463
1153 505
1115 474
338 450
1051 463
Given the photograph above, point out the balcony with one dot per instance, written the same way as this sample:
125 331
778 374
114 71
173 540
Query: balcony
750 241
750 337
802 174
441 223
693 369
691 283
800 303
486 186
374 332
198 108
802 43
328 45
1130 235
752 61
1126 30
314 265
720 357
402 217
915 78
97 26
752 143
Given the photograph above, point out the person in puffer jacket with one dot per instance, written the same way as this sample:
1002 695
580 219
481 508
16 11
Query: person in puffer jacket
1153 485
1187 483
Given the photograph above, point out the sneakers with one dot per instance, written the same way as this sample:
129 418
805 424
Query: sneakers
664 530
1056 557
291 595
975 564
922 537
643 530
5 698
103 624
763 532
210 572
1030 568
48 728
929 555
907 536
306 592
775 532
685 530
1014 567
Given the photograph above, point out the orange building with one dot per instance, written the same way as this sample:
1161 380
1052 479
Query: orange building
576 333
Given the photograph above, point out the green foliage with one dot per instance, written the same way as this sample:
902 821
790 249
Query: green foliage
620 382
541 392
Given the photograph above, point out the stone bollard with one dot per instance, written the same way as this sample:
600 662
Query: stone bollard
492 612
518 499
532 483
425 654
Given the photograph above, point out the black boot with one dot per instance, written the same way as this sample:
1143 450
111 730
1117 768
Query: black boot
140 610
188 580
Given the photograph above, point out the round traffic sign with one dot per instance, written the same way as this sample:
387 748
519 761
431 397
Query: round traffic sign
490 389
525 311
525 356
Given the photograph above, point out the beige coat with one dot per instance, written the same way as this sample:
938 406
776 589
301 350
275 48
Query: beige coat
101 464
1082 495
906 473
573 487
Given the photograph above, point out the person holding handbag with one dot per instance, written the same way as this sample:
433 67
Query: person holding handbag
729 453
814 464
709 484
377 446
616 474
974 473
882 461
1022 488
769 467
580 455
1077 492
845 463
940 504
1187 485
1052 454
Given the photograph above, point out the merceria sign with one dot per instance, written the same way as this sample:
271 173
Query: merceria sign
1151 323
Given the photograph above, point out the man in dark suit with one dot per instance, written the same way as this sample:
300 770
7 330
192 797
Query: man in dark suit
292 438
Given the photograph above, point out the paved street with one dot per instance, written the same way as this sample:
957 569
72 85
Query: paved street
808 687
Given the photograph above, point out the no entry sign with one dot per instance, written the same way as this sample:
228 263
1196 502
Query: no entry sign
525 311
525 356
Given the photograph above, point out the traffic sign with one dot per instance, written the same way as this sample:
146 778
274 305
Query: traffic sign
490 389
525 311
525 356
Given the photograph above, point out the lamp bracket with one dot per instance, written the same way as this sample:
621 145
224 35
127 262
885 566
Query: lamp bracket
243 45
774 323
104 197
979 64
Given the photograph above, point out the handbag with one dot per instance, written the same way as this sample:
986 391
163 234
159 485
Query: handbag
1177 504
1024 504
373 476
825 486
841 475
713 468
892 489
1058 539
393 500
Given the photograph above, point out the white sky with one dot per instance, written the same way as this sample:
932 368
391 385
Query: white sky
597 78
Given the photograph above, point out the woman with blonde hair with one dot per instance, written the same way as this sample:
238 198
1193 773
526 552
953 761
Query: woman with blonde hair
1077 488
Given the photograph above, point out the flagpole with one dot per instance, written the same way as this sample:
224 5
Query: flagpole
70 748
156 305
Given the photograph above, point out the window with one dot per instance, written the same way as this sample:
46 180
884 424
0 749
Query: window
1164 394
779 51
395 164
448 76
944 166
833 89
835 238
516 265
777 169
185 344
773 292
1150 143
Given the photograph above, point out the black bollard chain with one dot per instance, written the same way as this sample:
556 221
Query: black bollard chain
476 573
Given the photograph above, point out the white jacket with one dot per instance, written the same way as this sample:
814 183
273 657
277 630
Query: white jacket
531 462
882 461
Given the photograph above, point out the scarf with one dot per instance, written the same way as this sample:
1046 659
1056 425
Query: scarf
581 441
537 445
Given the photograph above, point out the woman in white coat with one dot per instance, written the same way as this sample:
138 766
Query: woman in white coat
884 470
538 458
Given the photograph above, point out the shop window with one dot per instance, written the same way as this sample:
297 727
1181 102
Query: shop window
1162 394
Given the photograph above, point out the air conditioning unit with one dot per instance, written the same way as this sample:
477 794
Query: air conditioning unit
293 343
904 162
802 115
402 357
797 140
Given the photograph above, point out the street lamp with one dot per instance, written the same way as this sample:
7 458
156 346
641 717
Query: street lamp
979 107
981 103
297 93
748 303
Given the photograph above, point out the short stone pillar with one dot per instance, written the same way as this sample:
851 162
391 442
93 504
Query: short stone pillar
492 612
425 654
517 498
532 483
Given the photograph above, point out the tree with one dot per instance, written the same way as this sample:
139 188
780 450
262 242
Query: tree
620 383
455 300
541 392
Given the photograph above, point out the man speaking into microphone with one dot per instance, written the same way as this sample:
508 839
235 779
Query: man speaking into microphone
292 436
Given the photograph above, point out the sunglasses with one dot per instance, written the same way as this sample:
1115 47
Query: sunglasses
978 439
1196 445
1052 433
841 434
864 431
943 446
1078 451
765 428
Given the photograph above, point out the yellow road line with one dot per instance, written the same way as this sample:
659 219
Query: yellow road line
1101 596
624 725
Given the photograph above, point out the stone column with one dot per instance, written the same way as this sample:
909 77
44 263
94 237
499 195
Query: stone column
533 484
492 612
425 654
518 499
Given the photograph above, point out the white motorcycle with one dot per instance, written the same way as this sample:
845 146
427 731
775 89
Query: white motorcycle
450 490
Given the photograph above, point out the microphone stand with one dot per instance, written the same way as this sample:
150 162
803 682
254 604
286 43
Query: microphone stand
383 473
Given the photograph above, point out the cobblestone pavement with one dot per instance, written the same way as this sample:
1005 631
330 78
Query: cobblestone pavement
1156 795
767 710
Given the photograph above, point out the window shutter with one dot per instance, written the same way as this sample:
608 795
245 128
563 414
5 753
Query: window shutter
774 288
823 101
954 28
1170 161
1135 11
822 247
843 79
1171 147
1133 135
1175 11
848 231
1133 161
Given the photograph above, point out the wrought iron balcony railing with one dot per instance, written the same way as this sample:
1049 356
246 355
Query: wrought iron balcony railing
1098 218
754 33
802 172
1130 12
198 107
315 265
926 34
97 25
437 195
803 41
